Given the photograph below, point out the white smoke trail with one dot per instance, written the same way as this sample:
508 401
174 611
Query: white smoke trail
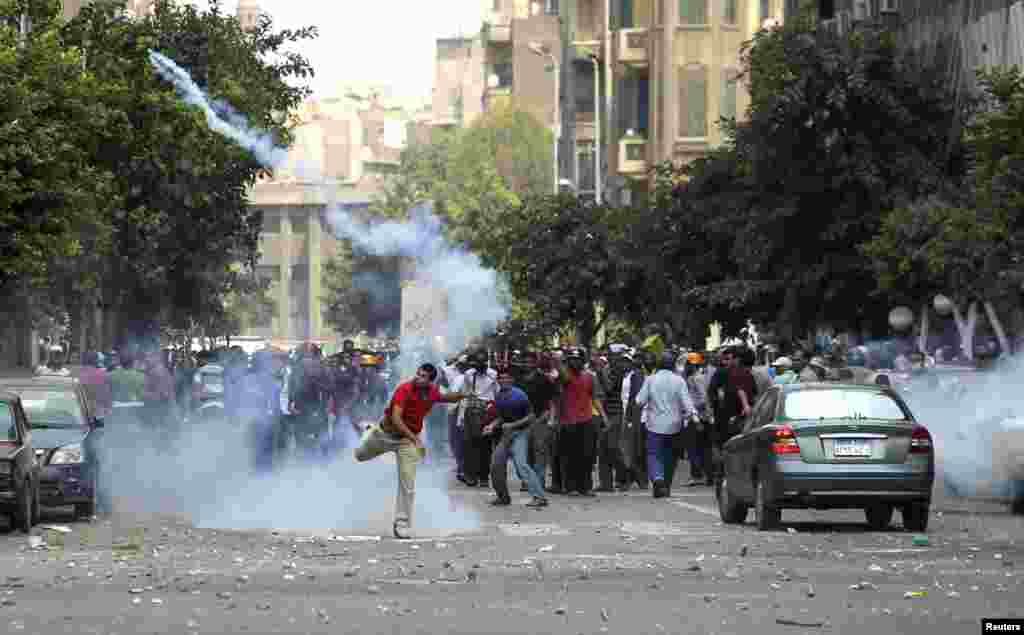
471 289
472 303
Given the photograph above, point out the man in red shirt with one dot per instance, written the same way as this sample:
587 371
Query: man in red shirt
398 431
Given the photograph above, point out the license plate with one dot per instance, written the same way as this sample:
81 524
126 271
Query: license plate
851 448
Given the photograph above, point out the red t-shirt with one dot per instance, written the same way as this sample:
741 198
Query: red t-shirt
414 407
577 399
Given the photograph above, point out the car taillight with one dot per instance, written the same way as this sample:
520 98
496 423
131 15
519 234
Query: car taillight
785 441
920 440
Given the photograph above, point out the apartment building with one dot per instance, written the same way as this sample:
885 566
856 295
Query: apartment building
668 73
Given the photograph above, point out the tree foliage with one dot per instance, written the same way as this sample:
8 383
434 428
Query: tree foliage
966 242
53 196
840 130
116 194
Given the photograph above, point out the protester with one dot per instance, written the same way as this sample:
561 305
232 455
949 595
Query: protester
398 431
667 398
512 418
577 428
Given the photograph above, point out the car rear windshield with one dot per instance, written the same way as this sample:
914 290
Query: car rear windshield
52 408
842 404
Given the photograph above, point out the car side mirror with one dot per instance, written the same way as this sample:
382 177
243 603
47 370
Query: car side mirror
97 423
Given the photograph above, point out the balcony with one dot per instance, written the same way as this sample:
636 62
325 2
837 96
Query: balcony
633 155
632 45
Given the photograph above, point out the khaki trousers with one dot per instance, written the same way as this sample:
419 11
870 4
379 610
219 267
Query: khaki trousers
376 442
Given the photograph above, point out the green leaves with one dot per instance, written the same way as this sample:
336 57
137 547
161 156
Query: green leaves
840 130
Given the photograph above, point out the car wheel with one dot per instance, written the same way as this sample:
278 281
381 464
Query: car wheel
768 516
22 517
915 516
1017 504
879 516
732 511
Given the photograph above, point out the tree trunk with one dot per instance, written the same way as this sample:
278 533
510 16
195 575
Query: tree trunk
997 326
789 315
966 328
922 340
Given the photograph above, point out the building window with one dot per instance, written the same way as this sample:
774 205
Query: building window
766 9
626 14
633 101
729 89
693 11
693 102
730 11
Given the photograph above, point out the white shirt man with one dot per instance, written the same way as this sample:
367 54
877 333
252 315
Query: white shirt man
483 385
667 402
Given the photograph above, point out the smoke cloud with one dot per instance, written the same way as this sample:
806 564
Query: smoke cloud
976 417
469 290
209 477
204 471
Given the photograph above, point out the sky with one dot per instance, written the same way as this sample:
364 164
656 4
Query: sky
388 42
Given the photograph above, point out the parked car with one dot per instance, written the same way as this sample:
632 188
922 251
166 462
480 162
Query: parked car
828 446
19 469
65 435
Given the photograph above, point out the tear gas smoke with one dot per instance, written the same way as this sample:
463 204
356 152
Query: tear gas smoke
210 478
970 414
204 471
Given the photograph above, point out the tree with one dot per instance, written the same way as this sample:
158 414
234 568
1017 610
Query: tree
840 129
569 258
966 242
53 198
181 219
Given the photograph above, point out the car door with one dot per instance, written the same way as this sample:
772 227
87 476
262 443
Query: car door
761 439
28 465
740 448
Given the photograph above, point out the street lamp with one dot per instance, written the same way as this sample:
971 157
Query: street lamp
597 128
543 51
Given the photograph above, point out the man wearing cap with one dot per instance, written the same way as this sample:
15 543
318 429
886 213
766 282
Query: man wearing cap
451 378
577 435
512 418
784 371
633 440
611 466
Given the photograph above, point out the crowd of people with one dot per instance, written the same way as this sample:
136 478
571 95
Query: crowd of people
569 422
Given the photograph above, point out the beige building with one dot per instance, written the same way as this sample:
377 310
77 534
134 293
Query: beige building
669 73
475 72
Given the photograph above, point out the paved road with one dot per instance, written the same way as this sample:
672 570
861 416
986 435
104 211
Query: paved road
621 563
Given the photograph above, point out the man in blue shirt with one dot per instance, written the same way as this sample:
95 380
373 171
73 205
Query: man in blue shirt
513 418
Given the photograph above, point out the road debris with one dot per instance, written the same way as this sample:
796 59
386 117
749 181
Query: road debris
802 622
